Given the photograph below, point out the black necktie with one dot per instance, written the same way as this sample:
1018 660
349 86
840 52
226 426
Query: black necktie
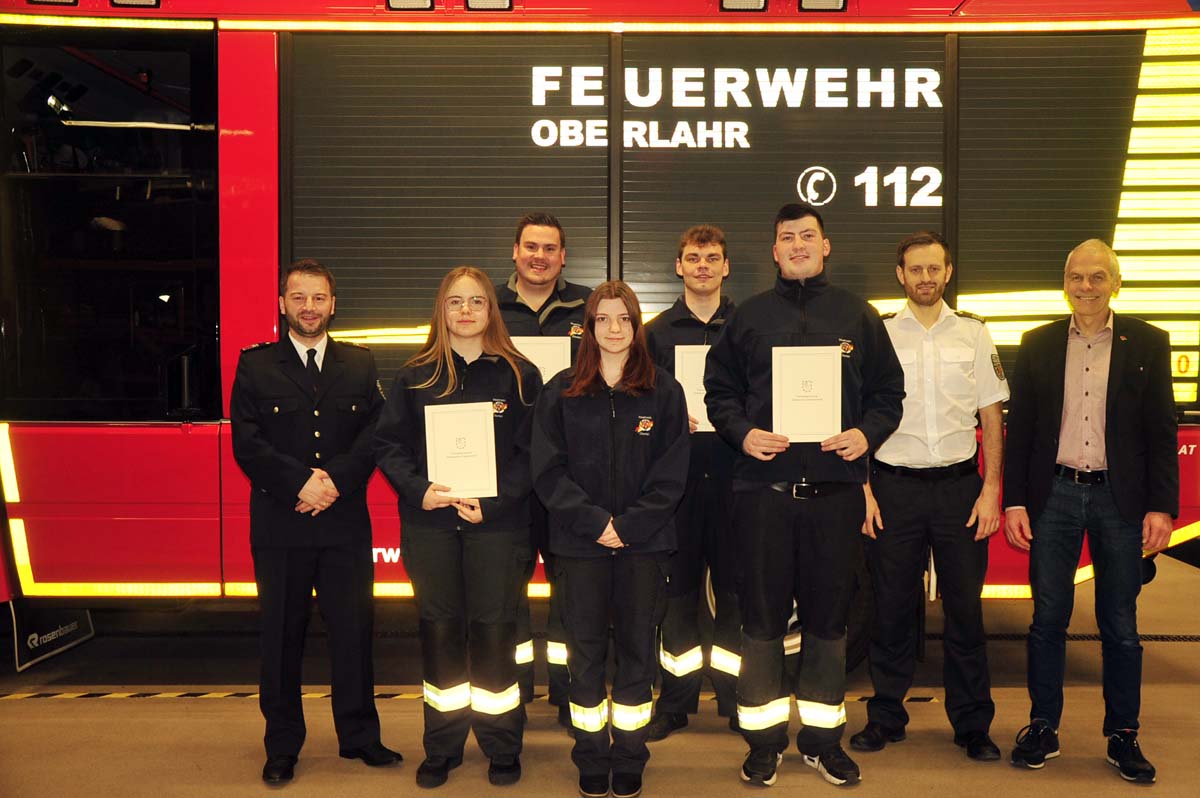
314 373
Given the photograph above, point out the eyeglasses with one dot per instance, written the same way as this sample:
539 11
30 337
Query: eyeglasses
454 304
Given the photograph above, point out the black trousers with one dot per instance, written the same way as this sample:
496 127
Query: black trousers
800 550
918 513
703 526
628 590
466 584
556 646
344 578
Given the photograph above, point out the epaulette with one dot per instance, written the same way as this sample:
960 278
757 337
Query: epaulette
252 347
890 315
966 314
353 343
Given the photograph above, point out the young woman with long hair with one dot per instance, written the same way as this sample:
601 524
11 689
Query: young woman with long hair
610 459
466 557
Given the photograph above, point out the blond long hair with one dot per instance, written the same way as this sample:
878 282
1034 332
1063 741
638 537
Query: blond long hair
437 349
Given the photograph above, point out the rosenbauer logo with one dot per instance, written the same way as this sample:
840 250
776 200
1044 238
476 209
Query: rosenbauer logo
34 640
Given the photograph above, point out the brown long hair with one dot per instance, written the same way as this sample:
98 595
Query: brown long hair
637 376
437 350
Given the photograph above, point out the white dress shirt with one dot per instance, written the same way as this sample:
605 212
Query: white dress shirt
302 349
950 371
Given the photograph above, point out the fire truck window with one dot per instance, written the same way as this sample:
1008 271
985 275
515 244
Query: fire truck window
108 227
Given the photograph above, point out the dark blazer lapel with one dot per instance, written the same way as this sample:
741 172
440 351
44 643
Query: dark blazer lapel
333 368
289 363
1116 363
1058 367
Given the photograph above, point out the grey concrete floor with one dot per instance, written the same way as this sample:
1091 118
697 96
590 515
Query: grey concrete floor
173 746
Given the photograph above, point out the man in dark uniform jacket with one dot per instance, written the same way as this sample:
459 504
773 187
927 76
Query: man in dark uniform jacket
303 413
537 301
704 519
1091 445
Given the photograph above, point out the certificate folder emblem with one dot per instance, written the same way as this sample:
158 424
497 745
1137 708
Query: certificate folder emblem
806 392
460 445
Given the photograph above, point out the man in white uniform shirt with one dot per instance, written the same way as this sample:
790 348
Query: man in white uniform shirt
927 492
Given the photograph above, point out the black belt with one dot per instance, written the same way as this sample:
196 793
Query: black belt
812 490
939 472
1081 477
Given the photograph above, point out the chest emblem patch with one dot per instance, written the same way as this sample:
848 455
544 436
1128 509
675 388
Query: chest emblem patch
499 406
644 425
847 346
576 330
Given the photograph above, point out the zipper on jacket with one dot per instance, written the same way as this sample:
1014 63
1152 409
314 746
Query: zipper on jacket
612 454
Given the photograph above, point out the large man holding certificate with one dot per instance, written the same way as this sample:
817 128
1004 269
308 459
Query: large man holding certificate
679 339
804 382
544 314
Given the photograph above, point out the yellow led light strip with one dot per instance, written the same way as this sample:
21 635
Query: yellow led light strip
31 587
59 21
1176 268
1157 140
413 336
1172 42
1170 75
1166 107
1166 235
1158 205
1162 172
8 471
382 589
1185 393
1052 304
616 26
1085 573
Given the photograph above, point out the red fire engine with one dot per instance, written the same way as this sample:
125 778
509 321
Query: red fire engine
161 158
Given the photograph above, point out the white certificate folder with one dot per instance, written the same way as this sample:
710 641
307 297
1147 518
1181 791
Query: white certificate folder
550 353
460 446
806 392
689 371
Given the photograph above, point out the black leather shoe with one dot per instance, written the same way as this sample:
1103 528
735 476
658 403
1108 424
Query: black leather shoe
626 785
875 736
662 724
504 770
373 754
279 769
979 746
434 771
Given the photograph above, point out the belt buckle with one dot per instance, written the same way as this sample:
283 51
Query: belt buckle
799 486
1075 477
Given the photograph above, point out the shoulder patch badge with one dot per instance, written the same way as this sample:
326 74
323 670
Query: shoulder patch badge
355 343
644 425
576 330
999 369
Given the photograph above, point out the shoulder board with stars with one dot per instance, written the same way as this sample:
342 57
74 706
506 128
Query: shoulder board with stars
890 315
354 343
252 347
968 315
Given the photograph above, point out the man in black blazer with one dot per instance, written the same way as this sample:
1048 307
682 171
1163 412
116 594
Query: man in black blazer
303 412
1091 447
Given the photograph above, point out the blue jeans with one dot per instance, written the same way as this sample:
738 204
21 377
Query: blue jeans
1116 549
